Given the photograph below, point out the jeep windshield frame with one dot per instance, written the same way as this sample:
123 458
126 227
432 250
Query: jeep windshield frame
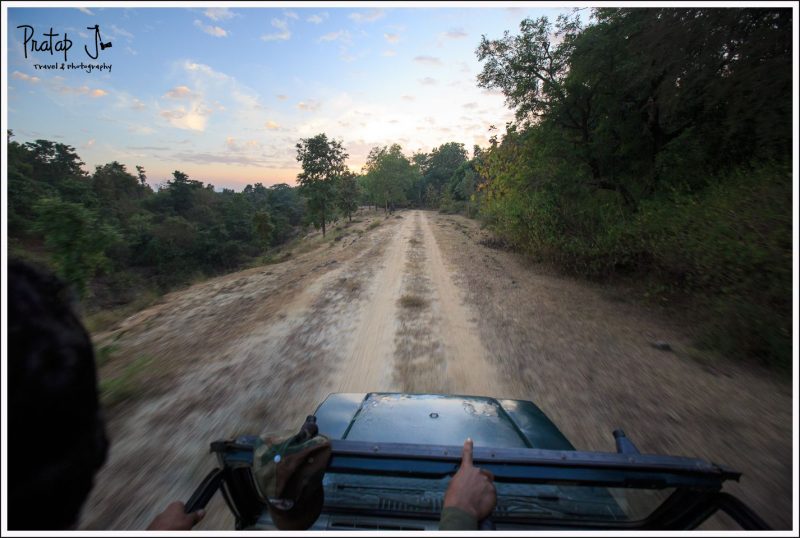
695 485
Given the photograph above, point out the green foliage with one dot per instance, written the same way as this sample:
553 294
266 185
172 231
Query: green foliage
388 176
117 241
437 169
651 143
263 227
348 194
323 164
77 239
732 244
126 385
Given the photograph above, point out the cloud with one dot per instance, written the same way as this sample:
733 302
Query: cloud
26 78
389 53
290 15
85 10
317 18
391 38
203 69
191 118
179 92
455 33
429 60
281 97
137 104
271 125
282 35
141 129
81 90
210 158
309 105
367 16
427 81
247 100
130 51
147 148
186 108
219 13
116 31
407 97
209 93
472 105
89 143
344 39
341 35
216 31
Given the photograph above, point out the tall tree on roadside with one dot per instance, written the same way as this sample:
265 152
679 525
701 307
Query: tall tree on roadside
348 194
323 164
390 174
441 164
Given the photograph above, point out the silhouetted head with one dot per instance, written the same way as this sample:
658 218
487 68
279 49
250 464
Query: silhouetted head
56 436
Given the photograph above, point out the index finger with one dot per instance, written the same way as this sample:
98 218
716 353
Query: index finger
466 455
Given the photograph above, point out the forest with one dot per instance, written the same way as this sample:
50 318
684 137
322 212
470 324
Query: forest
651 145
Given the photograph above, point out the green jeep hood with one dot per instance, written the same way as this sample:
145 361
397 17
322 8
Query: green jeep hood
437 419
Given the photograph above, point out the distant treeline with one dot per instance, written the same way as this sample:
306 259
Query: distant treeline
112 237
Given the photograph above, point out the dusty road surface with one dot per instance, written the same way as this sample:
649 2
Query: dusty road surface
415 302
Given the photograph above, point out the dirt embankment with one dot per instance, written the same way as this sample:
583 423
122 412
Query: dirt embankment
414 303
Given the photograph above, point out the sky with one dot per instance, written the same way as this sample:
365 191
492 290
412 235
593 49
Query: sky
225 94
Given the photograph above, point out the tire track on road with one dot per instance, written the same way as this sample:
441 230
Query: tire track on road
369 358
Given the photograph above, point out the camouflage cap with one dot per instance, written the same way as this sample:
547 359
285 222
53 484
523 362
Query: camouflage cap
288 476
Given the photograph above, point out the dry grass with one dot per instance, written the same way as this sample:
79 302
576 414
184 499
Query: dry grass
106 319
413 301
350 286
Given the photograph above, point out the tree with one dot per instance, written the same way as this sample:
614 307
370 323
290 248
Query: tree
77 240
141 174
390 175
348 194
179 191
263 226
553 86
323 164
529 68
117 191
440 165
416 190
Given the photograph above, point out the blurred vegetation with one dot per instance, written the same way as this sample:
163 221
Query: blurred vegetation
119 243
654 144
127 383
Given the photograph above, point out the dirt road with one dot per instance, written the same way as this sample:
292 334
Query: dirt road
414 302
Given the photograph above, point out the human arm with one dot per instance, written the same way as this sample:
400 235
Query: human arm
175 519
470 497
